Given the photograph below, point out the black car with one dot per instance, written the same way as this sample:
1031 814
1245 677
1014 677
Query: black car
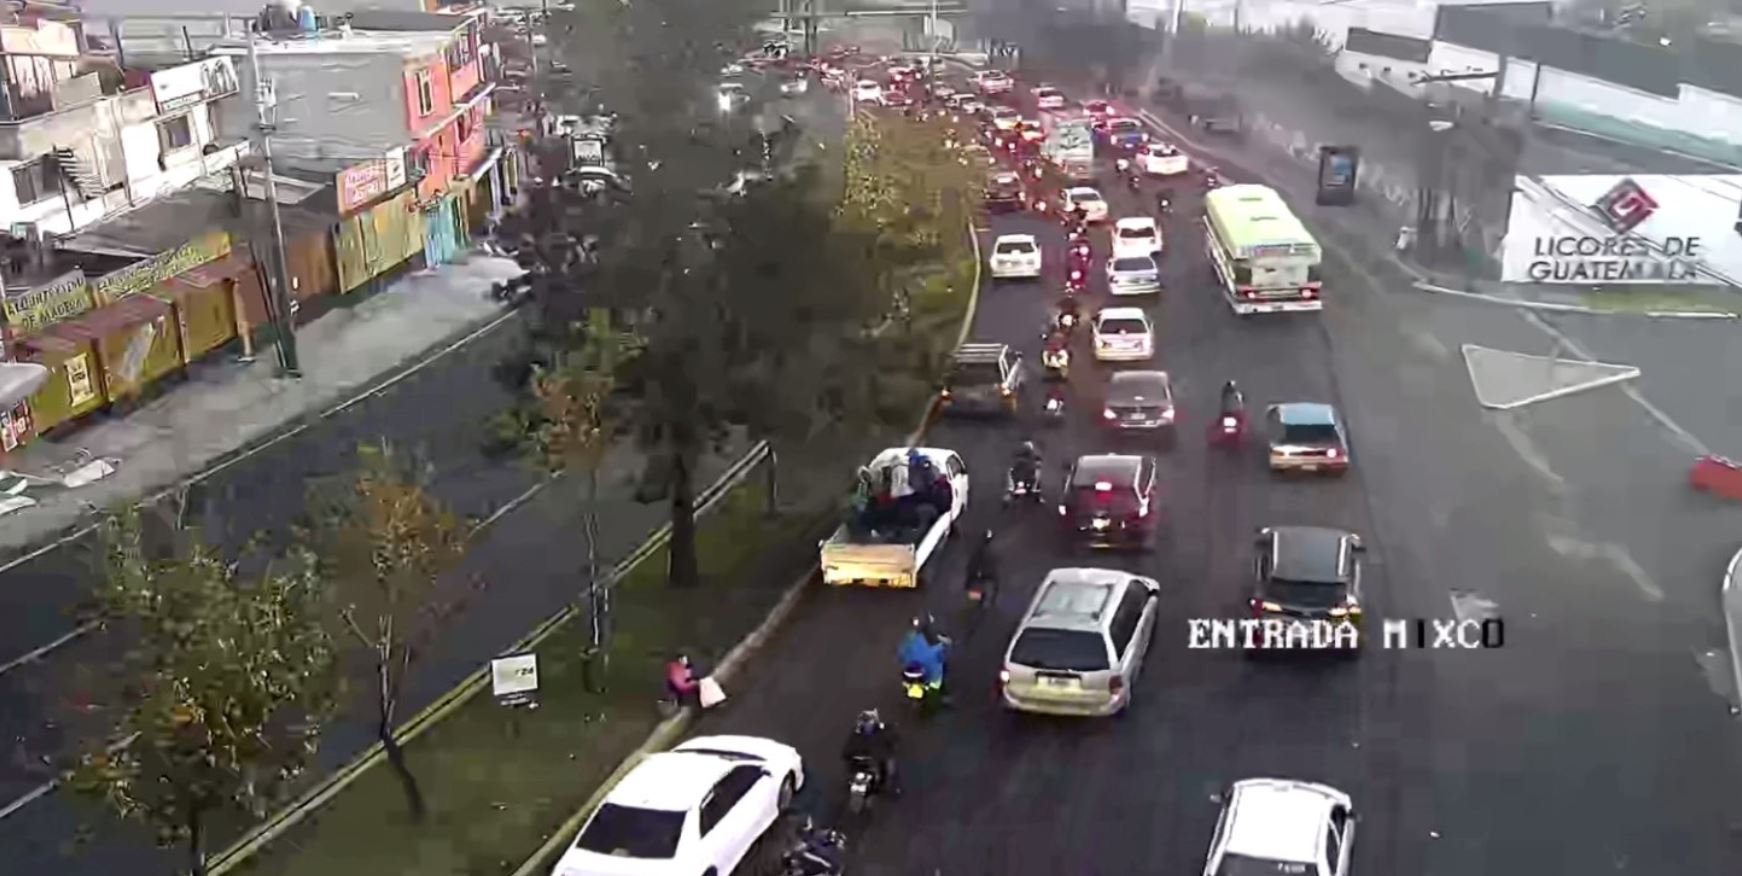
1004 192
1109 501
1307 575
1140 401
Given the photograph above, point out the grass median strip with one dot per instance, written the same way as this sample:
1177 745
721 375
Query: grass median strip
499 780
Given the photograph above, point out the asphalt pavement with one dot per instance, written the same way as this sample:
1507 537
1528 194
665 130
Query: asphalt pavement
1590 742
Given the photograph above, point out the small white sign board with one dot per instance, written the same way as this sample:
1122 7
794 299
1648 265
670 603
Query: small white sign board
514 679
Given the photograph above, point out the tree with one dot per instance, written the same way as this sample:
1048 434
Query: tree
570 426
715 347
387 544
229 684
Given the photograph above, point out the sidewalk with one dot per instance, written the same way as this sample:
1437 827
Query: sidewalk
226 406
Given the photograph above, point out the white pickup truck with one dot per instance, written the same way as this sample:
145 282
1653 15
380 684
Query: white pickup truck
889 544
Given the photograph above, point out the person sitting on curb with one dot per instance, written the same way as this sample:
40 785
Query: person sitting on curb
681 682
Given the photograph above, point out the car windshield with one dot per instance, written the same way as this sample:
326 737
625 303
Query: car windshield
1305 594
1123 126
1309 434
1133 264
630 832
1240 865
1123 327
1136 232
1068 650
1014 247
975 374
1084 195
1046 92
867 84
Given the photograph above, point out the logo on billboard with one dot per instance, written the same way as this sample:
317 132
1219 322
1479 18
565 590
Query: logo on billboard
1625 206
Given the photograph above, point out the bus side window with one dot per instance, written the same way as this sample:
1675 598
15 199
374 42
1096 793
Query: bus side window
1242 273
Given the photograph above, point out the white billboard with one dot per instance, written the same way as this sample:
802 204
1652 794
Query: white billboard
1597 229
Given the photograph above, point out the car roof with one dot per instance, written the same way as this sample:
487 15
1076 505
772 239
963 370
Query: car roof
670 780
1307 414
1008 176
1105 466
1122 313
1139 385
1309 553
1083 192
1280 819
1123 120
1135 222
1014 238
1077 598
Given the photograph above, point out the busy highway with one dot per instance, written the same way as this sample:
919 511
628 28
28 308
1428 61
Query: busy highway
1457 762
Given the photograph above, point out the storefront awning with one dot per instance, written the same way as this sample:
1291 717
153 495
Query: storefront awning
484 166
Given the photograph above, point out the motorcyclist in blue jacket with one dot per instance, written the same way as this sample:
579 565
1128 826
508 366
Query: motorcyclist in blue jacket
928 650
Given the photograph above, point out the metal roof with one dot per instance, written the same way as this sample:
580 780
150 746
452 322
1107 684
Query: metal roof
1307 414
1311 554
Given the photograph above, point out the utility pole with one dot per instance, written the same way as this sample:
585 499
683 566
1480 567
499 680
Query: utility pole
264 103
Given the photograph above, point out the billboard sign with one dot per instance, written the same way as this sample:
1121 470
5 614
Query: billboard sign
188 84
1338 166
1602 229
362 183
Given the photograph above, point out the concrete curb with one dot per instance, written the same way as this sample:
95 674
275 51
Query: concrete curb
668 731
314 798
1554 307
1730 603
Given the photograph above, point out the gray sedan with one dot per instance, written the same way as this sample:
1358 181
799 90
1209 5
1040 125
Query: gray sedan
1133 275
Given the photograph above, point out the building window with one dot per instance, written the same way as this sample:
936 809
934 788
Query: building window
420 163
465 126
175 133
425 93
36 181
460 51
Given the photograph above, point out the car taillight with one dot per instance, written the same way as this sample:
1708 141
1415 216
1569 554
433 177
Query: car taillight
1229 423
1005 391
1331 454
1249 294
1115 685
945 395
1108 414
1309 293
1003 677
1063 511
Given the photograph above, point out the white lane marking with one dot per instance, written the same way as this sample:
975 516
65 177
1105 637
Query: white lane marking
1527 450
1611 553
1675 429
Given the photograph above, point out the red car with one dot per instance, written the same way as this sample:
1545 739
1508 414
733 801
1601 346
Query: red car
1109 501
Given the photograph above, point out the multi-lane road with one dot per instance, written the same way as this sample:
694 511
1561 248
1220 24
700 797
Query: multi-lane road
1592 742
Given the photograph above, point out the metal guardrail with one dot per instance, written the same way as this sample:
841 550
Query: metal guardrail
312 799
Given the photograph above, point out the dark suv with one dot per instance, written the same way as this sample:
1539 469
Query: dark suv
1109 501
1004 193
983 378
1307 574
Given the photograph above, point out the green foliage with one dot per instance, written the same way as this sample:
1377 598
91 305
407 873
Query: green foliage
229 682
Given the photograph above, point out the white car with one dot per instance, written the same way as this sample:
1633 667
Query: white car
993 82
1048 97
1005 119
1015 256
1132 274
1123 334
1094 206
1283 826
868 91
1161 159
693 810
1136 236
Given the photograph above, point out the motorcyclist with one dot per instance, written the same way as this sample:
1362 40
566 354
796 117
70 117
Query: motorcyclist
1164 200
926 649
1056 356
983 565
875 741
1024 463
1233 403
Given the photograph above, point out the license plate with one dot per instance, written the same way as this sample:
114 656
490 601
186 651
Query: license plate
916 691
1058 683
1135 417
1310 467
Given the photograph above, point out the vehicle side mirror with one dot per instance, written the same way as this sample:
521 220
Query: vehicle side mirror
1358 546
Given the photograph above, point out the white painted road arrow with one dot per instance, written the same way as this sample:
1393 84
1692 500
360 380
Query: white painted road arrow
1504 380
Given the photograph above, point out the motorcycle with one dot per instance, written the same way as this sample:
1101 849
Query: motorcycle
914 689
1023 485
815 852
1079 248
1076 278
1229 429
862 784
1057 360
1054 409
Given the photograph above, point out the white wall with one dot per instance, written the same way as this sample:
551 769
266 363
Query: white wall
330 105
1365 71
50 214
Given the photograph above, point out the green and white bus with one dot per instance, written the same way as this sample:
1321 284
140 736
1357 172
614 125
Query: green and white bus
1263 256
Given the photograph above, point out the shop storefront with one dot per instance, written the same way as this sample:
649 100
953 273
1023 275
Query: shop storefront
377 240
136 342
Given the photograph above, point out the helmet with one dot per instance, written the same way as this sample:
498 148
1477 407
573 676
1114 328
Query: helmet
1230 386
922 622
868 720
1027 447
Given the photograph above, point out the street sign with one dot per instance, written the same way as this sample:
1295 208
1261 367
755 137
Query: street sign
1338 166
514 680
